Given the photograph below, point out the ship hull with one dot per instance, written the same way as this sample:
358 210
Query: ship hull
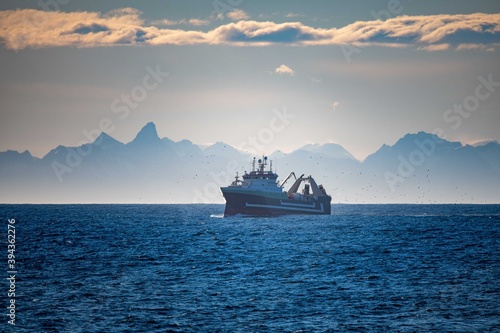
258 205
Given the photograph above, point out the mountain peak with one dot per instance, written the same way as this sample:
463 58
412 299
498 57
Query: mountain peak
105 141
429 143
147 136
421 136
149 128
221 148
329 149
13 153
408 141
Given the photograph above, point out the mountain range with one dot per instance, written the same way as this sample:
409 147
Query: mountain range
418 168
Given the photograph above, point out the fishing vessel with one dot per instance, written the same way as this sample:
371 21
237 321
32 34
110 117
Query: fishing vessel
259 193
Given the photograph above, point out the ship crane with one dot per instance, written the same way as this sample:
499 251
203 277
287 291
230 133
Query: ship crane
288 177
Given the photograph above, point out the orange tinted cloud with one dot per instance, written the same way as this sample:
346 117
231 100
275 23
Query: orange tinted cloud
30 28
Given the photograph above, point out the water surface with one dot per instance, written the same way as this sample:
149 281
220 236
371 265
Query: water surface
183 268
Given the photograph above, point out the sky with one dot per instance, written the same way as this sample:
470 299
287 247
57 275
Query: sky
258 75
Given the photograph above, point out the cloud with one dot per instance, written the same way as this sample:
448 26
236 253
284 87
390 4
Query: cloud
244 33
237 15
20 29
335 105
437 47
29 28
198 22
167 22
195 22
475 47
284 69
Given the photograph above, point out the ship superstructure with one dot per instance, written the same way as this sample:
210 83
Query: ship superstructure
259 193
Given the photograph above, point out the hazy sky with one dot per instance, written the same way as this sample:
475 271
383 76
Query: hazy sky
264 75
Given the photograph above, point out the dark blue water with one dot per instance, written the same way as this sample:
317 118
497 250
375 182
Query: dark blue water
183 268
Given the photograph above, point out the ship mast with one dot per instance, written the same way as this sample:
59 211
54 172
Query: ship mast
262 163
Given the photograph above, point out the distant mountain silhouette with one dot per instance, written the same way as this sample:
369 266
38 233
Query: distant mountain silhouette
423 166
221 149
104 141
419 167
147 137
329 149
13 158
430 145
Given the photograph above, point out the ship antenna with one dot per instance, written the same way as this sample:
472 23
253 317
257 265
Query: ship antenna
253 164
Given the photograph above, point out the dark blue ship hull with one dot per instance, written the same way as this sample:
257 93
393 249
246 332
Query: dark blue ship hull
257 205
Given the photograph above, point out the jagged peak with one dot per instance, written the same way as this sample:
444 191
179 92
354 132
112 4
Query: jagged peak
420 135
10 152
149 128
105 139
424 136
409 140
14 155
147 135
54 151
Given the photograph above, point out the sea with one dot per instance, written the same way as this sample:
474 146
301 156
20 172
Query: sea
186 268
